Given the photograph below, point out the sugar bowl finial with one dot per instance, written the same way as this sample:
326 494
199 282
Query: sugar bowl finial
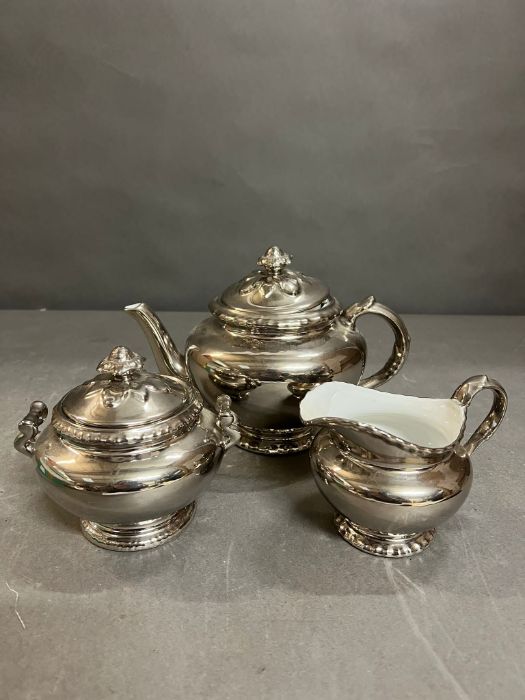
121 362
274 260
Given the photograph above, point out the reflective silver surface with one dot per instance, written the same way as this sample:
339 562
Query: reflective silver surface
262 558
390 494
271 337
128 452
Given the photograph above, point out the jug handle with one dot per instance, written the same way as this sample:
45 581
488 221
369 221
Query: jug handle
466 392
401 339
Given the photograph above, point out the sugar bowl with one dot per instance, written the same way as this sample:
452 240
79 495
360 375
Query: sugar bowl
128 452
270 338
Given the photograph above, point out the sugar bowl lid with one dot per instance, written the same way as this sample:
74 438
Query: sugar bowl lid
125 406
274 297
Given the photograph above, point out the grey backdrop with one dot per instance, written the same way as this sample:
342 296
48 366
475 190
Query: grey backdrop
153 149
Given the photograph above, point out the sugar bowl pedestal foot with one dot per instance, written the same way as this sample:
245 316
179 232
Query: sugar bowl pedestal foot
146 534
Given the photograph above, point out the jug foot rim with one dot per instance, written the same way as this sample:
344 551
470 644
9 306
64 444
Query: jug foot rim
273 441
132 537
382 544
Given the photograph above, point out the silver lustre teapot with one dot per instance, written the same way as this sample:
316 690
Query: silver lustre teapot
128 452
272 337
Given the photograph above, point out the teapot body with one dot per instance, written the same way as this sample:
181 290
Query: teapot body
271 337
266 377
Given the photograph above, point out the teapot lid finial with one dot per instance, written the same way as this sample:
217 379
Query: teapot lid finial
274 260
121 362
275 299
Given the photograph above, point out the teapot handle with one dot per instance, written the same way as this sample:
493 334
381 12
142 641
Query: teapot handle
28 428
466 392
401 339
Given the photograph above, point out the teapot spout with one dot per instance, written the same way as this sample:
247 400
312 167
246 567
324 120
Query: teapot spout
168 358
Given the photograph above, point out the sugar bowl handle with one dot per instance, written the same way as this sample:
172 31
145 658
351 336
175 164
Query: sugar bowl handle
466 392
401 339
28 428
227 422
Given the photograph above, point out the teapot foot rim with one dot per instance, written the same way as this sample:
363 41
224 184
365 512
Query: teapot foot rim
382 544
132 537
273 441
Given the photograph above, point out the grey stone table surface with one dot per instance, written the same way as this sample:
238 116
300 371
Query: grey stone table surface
259 597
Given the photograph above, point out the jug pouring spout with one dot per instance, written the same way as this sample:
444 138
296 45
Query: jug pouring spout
397 430
168 358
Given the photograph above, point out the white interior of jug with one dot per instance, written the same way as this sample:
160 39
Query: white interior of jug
433 423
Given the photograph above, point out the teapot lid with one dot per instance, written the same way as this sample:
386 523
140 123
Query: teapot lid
123 405
275 297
